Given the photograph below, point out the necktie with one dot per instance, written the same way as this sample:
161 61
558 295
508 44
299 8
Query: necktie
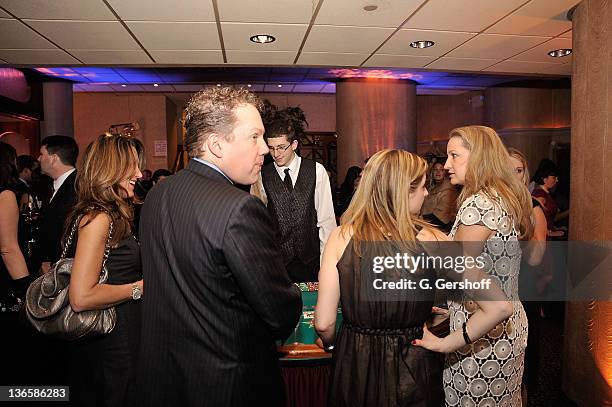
287 180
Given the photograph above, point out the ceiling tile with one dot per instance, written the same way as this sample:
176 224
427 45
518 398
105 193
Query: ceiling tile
472 16
462 64
89 35
188 88
188 57
538 17
111 57
495 46
176 36
273 87
175 10
444 42
422 90
37 57
236 36
308 87
390 13
77 88
86 87
567 34
269 11
4 14
158 88
93 70
59 9
256 87
521 67
561 69
398 61
126 88
260 57
540 53
327 38
329 88
105 78
16 35
331 59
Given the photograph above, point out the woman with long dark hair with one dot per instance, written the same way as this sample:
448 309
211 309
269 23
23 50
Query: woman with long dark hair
102 368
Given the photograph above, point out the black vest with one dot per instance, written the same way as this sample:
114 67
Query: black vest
295 211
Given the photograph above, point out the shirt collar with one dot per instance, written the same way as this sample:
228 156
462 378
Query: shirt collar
293 166
57 183
213 166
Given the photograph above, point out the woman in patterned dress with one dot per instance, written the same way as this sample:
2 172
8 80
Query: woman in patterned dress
495 211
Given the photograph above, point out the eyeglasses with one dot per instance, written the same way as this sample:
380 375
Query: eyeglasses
279 149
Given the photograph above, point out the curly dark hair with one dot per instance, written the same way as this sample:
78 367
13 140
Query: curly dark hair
213 111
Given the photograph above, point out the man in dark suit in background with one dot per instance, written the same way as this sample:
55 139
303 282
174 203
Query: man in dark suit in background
58 156
217 293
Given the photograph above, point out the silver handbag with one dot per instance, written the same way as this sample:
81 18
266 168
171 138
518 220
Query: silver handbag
48 307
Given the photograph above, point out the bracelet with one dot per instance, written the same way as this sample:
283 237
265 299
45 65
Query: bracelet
466 337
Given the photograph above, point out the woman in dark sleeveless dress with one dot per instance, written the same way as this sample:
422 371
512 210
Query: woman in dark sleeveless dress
102 368
14 276
374 363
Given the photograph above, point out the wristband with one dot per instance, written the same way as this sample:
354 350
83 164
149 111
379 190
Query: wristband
466 337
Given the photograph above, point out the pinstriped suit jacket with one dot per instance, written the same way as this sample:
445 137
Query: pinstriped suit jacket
216 296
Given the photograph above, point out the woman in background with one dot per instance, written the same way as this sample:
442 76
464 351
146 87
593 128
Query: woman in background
347 189
14 276
440 206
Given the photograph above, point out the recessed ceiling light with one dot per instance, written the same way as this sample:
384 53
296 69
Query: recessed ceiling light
123 86
370 7
218 84
558 53
249 85
156 85
280 86
262 38
422 44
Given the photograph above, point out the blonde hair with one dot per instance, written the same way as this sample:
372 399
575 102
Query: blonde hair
380 208
514 153
489 172
108 161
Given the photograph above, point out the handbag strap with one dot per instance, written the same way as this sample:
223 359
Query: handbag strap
73 231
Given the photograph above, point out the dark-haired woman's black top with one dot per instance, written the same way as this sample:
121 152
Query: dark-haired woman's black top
7 286
102 369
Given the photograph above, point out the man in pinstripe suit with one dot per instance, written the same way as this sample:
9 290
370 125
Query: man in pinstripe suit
218 294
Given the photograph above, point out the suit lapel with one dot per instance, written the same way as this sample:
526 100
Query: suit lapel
63 190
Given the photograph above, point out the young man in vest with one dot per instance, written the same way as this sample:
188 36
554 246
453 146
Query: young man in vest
300 199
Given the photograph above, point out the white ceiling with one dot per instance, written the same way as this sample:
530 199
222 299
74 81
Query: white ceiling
505 36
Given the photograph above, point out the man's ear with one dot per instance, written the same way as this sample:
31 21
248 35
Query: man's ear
213 144
294 145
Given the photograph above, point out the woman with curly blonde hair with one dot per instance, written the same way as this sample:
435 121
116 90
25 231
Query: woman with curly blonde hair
102 368
486 369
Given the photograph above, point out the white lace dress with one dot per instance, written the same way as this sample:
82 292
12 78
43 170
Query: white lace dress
489 371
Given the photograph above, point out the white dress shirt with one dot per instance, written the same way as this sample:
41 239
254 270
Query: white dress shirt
57 183
326 219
